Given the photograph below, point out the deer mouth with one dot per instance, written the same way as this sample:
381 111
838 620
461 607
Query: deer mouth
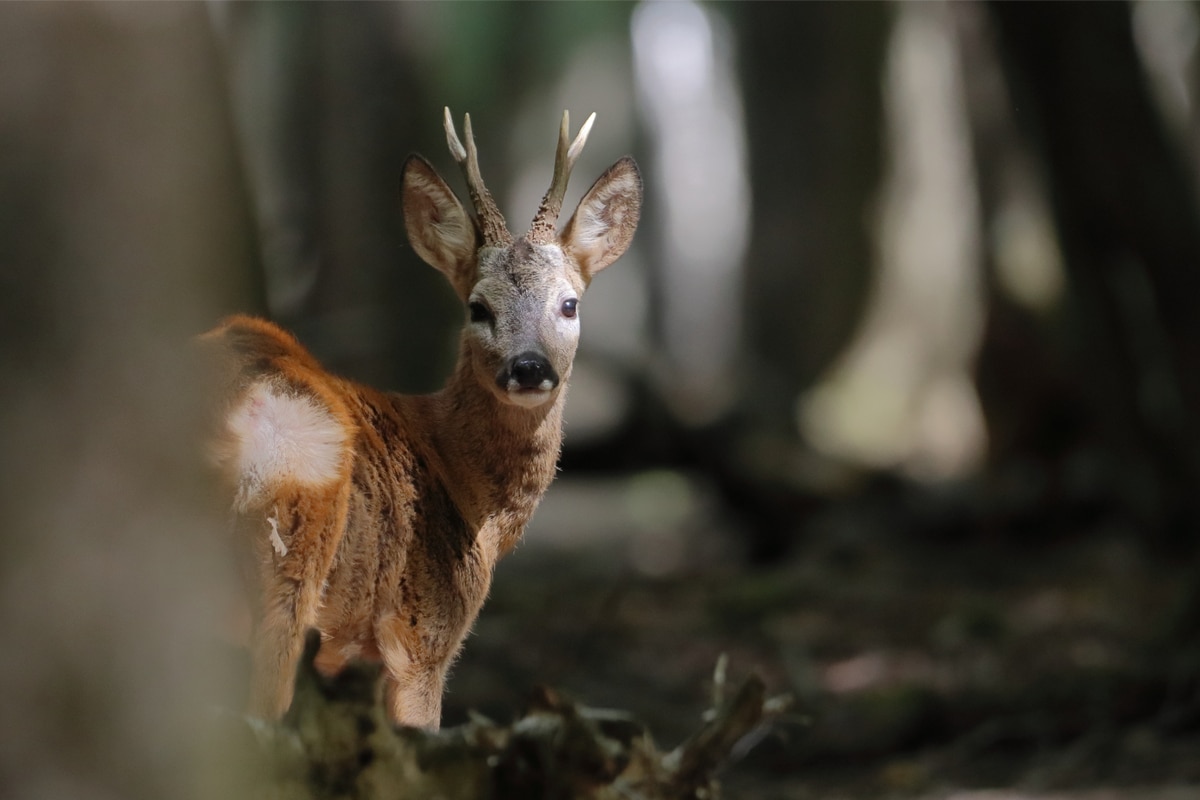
528 398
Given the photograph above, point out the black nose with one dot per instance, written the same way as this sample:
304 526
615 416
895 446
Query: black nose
531 371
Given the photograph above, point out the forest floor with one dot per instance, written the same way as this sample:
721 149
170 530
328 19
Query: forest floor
959 665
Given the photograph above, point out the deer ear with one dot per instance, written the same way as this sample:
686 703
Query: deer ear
602 226
439 229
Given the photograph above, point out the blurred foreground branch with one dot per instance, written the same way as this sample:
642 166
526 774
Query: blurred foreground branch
337 743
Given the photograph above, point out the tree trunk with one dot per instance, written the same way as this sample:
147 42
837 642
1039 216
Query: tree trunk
1129 225
812 82
124 231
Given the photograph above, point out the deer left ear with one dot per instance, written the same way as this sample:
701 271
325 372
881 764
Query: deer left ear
602 226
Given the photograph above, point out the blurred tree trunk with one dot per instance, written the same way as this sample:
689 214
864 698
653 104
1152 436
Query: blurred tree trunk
329 107
1034 408
812 88
1129 226
812 83
124 231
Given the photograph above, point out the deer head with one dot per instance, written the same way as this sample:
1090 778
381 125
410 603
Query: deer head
521 295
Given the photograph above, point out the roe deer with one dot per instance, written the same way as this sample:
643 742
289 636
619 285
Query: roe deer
375 517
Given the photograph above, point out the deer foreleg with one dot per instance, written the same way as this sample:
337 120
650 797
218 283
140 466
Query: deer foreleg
414 681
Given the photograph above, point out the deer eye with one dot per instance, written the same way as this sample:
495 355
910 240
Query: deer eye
570 308
479 311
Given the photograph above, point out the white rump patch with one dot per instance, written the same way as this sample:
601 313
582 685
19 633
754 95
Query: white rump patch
281 437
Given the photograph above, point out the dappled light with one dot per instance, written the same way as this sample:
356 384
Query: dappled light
691 107
1167 35
1028 261
901 394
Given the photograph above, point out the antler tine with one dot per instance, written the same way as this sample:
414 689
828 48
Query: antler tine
544 222
495 230
456 148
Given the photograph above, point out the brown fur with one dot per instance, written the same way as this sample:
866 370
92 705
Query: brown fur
375 517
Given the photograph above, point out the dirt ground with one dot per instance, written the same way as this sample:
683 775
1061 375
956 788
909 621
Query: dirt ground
926 660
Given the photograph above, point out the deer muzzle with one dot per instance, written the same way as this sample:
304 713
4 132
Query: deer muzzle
528 379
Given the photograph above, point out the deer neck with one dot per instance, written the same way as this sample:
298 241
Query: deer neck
500 458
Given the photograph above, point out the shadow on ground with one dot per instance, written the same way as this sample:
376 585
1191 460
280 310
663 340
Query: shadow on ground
960 666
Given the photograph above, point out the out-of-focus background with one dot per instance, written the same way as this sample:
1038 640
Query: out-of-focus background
895 399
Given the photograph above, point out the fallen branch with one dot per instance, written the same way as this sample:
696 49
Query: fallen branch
337 743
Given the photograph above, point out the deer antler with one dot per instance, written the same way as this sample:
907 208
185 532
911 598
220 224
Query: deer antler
495 230
543 230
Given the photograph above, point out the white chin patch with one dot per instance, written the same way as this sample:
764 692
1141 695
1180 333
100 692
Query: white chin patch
527 398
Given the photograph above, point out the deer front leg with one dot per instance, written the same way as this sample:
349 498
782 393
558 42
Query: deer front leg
413 684
415 698
296 547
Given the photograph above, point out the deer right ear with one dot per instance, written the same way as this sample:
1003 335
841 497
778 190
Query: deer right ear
439 229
